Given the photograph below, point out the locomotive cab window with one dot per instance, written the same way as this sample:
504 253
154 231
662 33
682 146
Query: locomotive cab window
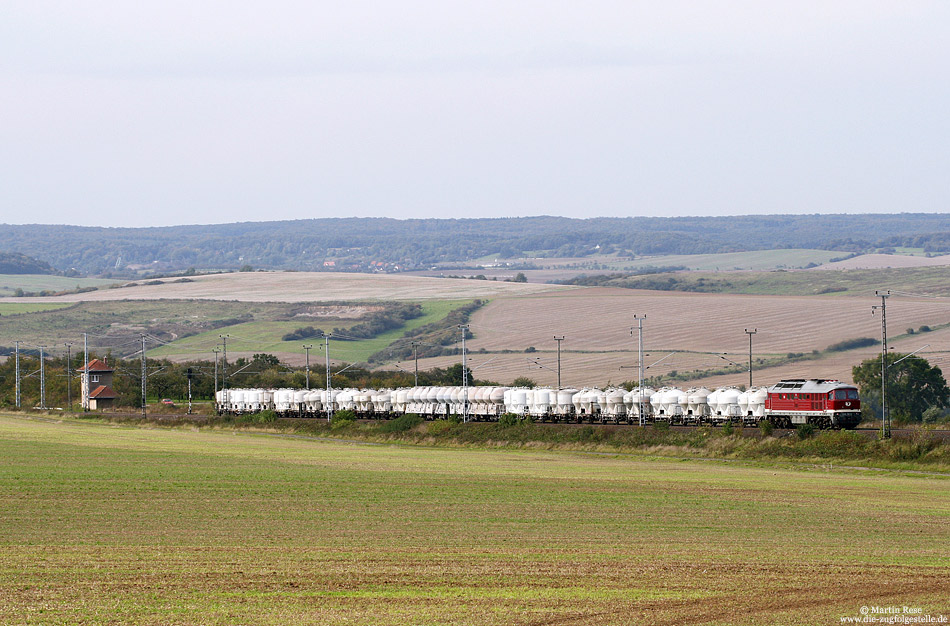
846 394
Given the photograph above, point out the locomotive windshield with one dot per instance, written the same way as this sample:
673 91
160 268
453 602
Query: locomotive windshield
846 394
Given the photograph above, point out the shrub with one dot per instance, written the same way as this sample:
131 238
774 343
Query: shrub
523 381
401 424
727 429
664 426
305 332
766 427
805 431
342 418
924 329
379 322
932 415
508 419
851 344
266 417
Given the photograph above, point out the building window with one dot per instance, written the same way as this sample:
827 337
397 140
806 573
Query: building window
94 378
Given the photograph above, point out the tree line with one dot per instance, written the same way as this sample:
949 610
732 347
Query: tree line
384 244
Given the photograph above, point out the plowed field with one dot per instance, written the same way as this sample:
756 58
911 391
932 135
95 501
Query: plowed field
597 323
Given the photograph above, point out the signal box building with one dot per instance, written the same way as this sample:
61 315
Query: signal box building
99 395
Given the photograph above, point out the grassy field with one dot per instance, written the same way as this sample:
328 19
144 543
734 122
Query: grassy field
9 283
755 260
243 339
929 281
248 338
107 524
15 308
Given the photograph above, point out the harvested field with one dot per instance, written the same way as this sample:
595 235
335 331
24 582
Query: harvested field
921 282
881 261
578 369
310 287
604 369
597 323
125 525
559 269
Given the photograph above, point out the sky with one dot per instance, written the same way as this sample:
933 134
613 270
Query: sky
118 113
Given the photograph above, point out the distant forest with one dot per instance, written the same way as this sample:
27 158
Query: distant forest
16 263
383 244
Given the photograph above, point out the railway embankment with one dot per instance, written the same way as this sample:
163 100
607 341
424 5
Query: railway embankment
917 449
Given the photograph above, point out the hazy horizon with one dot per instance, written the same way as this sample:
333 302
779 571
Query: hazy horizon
473 217
148 114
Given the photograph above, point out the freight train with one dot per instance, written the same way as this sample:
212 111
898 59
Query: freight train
822 403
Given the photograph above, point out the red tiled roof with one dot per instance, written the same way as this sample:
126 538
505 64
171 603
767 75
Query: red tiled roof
96 365
103 392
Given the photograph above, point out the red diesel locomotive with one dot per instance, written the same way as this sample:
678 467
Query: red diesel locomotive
824 403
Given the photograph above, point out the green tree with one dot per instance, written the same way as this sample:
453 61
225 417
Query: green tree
913 385
266 360
454 375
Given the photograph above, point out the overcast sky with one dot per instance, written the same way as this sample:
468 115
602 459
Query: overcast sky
200 111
